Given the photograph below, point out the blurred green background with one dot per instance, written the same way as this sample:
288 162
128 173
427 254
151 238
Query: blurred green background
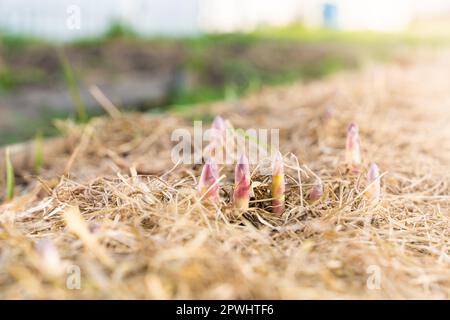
41 81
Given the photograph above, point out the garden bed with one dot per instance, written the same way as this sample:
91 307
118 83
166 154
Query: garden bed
110 201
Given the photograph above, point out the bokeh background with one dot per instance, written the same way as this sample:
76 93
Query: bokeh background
158 56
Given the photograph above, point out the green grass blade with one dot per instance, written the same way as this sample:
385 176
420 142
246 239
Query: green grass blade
10 180
39 152
74 90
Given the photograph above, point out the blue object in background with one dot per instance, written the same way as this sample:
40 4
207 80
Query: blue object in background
330 15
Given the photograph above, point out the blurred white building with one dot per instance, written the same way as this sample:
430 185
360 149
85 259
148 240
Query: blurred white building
68 19
50 18
376 15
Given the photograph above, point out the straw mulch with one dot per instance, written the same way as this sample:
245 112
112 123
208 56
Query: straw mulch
114 205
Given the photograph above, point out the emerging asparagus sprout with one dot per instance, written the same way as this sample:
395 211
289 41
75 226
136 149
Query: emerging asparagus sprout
219 124
208 186
241 194
328 114
49 257
325 130
353 147
316 191
374 184
218 132
278 186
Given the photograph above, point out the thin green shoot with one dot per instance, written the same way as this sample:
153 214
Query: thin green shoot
10 179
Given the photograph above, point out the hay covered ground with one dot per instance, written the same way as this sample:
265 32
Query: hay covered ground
114 205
